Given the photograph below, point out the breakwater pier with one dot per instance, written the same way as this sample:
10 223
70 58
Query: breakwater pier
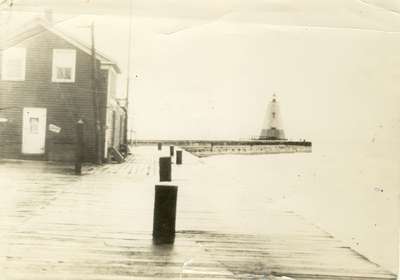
203 148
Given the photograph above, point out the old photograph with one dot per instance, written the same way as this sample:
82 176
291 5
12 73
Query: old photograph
199 139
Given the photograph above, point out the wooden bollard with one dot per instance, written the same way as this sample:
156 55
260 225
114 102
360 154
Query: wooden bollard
79 148
171 150
159 145
165 169
178 157
164 214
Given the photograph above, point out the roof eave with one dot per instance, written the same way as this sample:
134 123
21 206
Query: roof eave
101 57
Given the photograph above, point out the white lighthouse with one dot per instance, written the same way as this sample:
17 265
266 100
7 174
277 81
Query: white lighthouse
272 128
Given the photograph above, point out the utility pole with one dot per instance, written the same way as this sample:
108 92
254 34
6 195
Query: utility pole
128 74
96 113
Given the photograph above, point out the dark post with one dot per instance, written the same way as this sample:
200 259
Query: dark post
178 157
159 146
165 169
96 104
171 150
79 148
164 214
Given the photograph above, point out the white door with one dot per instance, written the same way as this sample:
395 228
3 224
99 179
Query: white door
34 131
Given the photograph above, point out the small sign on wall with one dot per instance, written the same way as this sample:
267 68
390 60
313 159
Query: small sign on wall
54 128
3 120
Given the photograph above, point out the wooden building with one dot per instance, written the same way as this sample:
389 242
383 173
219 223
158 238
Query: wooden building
46 86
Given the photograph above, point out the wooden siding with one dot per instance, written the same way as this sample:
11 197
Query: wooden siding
65 102
114 131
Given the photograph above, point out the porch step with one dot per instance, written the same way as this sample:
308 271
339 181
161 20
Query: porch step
116 155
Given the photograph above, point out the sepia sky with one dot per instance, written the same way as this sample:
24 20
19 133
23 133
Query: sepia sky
206 69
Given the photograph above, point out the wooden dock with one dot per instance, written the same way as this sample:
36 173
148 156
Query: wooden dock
58 226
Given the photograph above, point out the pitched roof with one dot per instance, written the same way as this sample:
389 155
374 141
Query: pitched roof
37 25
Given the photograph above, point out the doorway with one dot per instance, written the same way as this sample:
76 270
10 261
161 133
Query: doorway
34 131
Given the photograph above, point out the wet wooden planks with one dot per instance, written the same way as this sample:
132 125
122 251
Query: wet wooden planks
98 227
299 257
196 255
113 256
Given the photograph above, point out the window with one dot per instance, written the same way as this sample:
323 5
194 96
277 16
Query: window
64 65
13 64
34 125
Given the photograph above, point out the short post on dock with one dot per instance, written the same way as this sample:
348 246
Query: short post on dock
164 218
79 147
178 157
165 169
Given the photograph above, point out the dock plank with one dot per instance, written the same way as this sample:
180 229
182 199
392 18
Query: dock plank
98 226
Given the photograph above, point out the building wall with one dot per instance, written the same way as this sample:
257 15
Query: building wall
115 126
114 131
66 103
118 128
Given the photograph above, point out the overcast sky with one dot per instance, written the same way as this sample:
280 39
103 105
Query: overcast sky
206 69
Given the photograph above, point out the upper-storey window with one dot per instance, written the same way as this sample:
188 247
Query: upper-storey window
64 61
13 64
